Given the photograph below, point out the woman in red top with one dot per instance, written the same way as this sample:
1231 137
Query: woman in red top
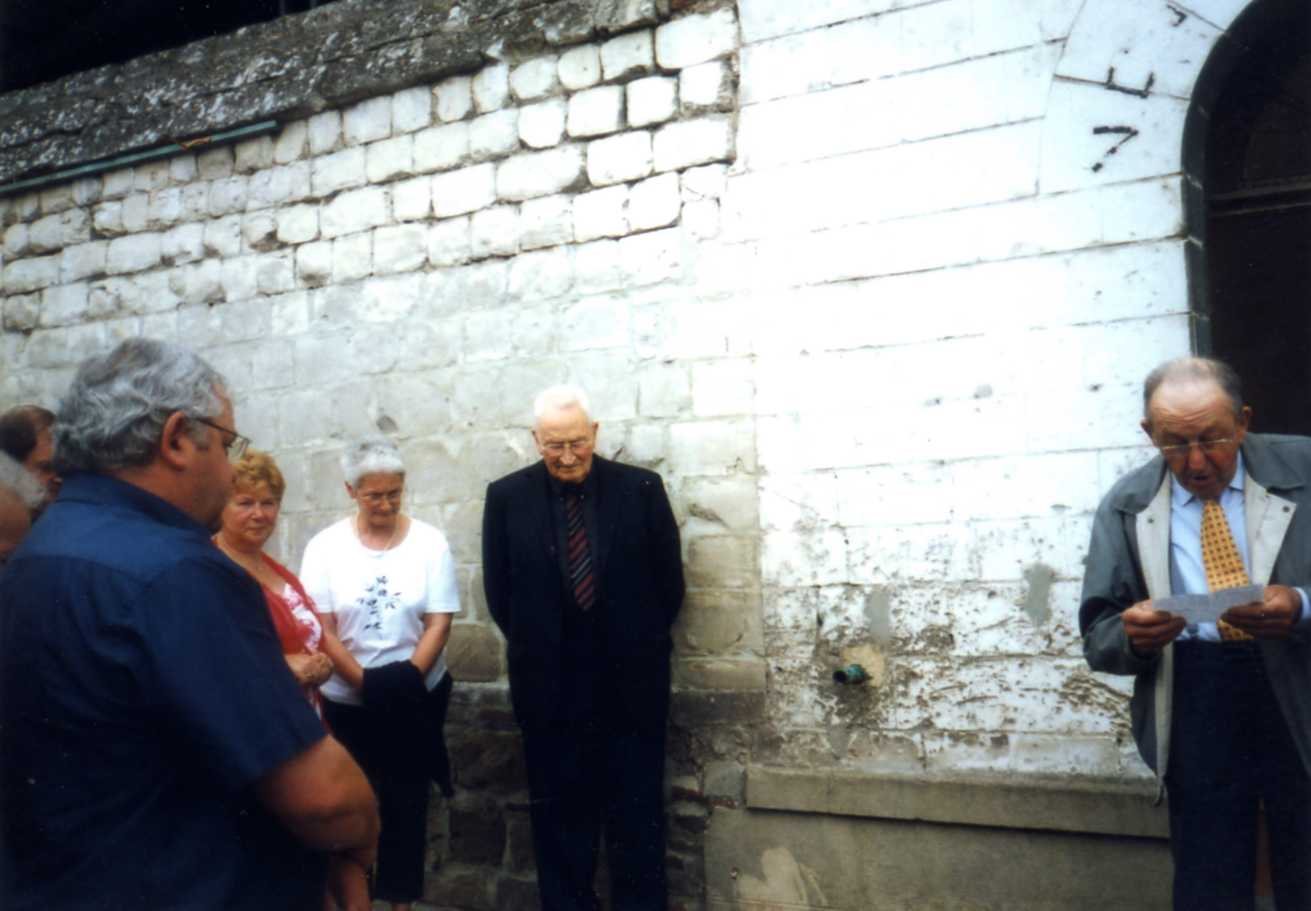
249 520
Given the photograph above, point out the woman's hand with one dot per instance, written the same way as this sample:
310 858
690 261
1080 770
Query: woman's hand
343 662
310 670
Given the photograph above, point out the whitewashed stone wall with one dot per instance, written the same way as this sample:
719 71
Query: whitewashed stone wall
421 263
964 288
862 278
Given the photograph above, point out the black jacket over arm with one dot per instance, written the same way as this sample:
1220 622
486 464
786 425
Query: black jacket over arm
640 573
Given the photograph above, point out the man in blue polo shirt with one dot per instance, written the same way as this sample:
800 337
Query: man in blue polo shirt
155 750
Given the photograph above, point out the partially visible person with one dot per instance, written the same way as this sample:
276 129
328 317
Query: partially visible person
156 752
385 585
20 497
26 436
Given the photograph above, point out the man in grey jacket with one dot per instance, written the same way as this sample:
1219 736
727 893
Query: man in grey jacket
1221 711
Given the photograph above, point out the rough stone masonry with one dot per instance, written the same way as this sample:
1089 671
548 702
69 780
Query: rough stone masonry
860 278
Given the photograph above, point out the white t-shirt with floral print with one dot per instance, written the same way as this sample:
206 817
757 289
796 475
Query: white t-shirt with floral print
379 597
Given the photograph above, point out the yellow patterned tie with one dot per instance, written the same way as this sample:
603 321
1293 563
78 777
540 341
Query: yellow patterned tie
1220 557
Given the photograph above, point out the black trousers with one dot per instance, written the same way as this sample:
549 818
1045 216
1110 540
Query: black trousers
1230 750
392 756
585 778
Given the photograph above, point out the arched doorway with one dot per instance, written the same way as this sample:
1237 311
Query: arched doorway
1247 156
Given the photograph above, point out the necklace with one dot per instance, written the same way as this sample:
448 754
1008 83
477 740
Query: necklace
359 533
250 564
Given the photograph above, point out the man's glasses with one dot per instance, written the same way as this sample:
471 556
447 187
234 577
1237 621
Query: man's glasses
1208 447
235 447
558 447
376 497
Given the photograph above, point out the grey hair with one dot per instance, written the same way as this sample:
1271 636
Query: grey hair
371 455
1194 369
17 482
114 411
558 398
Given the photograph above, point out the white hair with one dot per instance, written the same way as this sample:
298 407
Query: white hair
560 398
371 455
116 407
18 483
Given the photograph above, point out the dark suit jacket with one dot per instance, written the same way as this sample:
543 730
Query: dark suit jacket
639 568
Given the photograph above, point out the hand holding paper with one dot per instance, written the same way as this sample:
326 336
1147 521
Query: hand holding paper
1273 617
1149 630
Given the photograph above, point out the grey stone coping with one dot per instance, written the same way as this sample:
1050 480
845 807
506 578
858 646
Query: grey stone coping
284 69
1082 805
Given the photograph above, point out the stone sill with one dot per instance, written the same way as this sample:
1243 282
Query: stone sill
1082 805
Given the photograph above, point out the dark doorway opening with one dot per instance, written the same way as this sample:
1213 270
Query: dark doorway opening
1249 146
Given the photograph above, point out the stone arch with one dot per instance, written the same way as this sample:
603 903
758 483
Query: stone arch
1124 105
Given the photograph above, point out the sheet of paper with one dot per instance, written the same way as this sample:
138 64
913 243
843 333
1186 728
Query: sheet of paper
1208 608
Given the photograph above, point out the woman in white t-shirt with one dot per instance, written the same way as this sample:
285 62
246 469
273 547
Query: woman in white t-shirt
385 584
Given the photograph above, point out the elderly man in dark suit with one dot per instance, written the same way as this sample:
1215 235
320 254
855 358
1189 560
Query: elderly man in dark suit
582 570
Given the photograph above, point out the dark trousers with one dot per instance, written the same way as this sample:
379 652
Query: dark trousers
585 778
1229 751
392 757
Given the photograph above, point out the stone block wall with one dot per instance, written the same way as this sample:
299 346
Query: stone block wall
865 281
421 262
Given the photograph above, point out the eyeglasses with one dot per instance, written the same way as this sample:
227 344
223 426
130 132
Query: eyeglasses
1208 447
375 497
235 447
558 447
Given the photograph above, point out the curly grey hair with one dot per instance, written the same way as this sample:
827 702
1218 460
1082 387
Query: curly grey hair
371 455
115 410
16 482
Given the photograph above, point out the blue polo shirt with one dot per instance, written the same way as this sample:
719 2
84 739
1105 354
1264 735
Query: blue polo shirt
142 692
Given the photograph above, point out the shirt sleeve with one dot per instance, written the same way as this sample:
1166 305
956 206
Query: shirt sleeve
314 574
218 674
443 589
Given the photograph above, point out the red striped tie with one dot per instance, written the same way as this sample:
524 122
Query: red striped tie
579 555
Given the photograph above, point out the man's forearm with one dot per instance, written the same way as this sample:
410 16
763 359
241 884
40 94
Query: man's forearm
324 798
351 829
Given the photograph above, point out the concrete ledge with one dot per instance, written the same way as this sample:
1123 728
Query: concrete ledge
1089 806
761 860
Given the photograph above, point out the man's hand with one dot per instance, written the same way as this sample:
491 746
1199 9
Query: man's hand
348 882
1272 618
1150 630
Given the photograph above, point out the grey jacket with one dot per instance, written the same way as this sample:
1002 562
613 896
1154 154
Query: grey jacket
1129 561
